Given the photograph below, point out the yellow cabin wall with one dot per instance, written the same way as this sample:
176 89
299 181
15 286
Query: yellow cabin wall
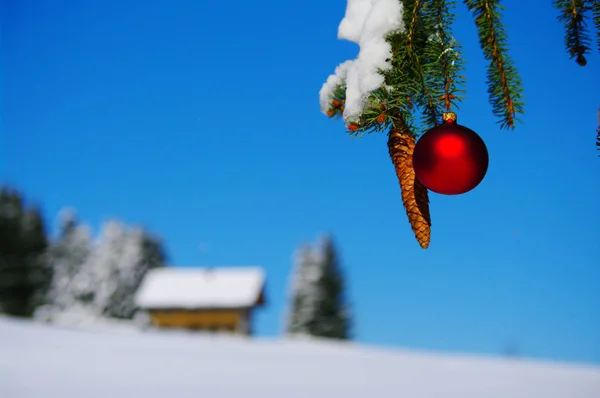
223 319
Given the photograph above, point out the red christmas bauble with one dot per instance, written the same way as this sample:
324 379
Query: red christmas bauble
450 159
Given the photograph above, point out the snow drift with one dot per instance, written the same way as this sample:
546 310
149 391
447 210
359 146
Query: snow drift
39 360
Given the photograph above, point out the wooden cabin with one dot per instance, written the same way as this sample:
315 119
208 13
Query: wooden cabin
207 299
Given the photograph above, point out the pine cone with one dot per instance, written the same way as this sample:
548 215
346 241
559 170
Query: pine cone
401 145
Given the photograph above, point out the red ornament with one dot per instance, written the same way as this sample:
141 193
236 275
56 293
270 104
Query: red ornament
450 159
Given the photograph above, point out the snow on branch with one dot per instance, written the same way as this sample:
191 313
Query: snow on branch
367 23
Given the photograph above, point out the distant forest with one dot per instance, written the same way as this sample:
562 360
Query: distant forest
76 277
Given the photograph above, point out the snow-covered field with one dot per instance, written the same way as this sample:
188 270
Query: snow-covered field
37 360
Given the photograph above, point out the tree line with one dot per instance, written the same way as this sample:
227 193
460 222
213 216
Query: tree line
76 277
73 276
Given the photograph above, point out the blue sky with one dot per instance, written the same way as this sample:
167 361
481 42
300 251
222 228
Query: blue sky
201 121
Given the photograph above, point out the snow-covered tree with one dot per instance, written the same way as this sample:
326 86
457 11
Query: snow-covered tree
66 256
140 253
304 292
114 270
93 279
318 303
98 280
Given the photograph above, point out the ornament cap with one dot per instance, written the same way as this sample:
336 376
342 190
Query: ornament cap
449 117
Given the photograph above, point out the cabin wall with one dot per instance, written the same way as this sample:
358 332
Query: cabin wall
226 320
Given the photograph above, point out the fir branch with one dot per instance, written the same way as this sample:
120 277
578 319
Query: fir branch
412 24
598 138
451 62
374 116
337 101
420 25
595 7
430 75
431 108
577 38
441 62
504 83
384 109
598 132
442 17
414 41
401 83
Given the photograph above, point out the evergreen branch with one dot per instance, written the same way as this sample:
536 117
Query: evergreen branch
504 83
442 62
450 57
577 38
429 73
441 10
338 101
400 84
598 132
385 109
374 117
598 139
415 81
412 25
431 109
595 7
420 24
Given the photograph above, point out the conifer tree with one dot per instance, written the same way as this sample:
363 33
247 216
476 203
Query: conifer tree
333 313
35 248
141 253
318 302
304 293
24 276
409 73
66 255
95 281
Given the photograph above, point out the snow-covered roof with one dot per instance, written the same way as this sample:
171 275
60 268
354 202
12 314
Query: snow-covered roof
229 287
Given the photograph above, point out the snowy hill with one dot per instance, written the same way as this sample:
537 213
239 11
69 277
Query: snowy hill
43 361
